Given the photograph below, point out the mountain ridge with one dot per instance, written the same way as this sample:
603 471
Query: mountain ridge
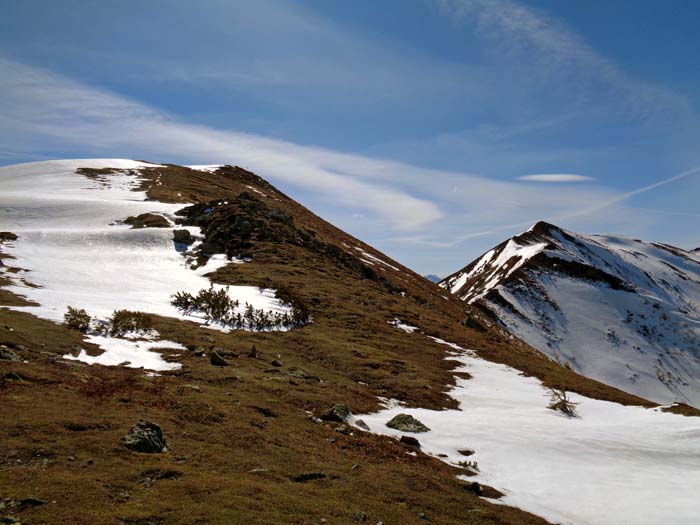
587 299
249 411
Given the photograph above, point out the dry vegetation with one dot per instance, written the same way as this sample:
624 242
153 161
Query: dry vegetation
243 447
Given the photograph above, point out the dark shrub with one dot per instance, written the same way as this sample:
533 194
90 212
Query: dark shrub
76 319
124 321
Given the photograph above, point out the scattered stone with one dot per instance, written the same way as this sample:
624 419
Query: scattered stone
476 488
466 452
406 423
355 466
147 220
254 353
276 363
423 516
183 237
410 441
7 354
267 412
339 412
257 470
360 516
7 236
11 376
196 388
10 519
217 360
472 323
344 429
31 502
224 352
361 424
309 476
146 437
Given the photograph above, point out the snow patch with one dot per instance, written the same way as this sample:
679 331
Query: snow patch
129 353
397 323
613 464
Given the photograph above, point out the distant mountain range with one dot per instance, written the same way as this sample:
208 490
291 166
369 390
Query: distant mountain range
432 277
622 311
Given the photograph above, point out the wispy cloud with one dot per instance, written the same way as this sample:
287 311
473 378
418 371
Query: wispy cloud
391 203
54 111
553 58
556 177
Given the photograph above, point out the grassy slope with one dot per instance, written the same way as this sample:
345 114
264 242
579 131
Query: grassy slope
237 434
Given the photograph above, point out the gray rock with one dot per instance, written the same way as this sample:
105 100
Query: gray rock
476 488
31 502
361 424
7 354
146 437
406 423
183 237
217 360
309 476
339 412
410 441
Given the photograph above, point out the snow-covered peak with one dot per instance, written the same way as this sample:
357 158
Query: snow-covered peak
621 310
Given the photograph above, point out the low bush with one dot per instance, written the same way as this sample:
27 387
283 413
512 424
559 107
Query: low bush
217 307
560 402
77 319
124 321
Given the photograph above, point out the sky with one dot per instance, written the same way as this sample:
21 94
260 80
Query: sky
431 129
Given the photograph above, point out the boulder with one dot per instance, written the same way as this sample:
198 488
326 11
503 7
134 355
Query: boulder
146 437
410 441
361 424
476 488
7 236
406 423
7 354
147 220
309 476
183 237
339 412
217 360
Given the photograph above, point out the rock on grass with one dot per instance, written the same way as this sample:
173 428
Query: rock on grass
406 423
339 413
146 437
217 360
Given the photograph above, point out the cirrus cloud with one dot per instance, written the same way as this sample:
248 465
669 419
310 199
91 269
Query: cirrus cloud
556 177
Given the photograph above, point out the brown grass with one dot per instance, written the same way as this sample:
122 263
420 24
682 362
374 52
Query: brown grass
240 434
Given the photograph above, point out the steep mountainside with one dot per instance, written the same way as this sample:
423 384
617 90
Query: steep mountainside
622 311
234 318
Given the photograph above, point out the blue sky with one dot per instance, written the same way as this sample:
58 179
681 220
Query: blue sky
432 129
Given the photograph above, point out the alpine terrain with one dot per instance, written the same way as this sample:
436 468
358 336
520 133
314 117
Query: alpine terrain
622 311
191 345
